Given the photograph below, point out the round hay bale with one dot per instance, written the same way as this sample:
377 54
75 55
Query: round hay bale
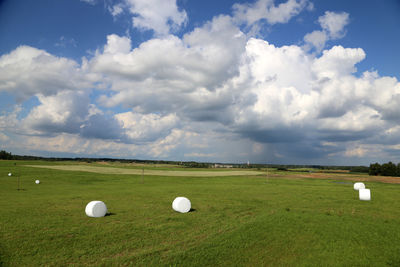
96 209
358 186
37 182
9 174
181 204
364 194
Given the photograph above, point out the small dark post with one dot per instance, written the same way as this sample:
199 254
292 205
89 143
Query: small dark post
18 183
142 175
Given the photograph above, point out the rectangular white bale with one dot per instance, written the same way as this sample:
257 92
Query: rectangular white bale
364 194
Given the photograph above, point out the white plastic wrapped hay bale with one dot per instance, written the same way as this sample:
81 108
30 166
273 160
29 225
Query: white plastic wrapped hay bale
181 204
96 209
358 186
364 194
9 174
37 182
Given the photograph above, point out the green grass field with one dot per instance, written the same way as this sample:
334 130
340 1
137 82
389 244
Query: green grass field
238 220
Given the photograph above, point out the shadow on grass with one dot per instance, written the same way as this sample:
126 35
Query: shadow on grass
192 210
110 214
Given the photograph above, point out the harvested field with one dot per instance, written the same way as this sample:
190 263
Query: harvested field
112 170
338 176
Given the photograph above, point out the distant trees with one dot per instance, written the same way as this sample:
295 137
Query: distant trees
374 169
5 155
386 169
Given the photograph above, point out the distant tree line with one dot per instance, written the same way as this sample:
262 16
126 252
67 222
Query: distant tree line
4 155
386 169
8 156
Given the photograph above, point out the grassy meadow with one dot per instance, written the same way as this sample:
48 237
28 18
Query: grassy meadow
238 219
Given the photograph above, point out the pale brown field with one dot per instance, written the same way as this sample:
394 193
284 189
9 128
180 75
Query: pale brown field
112 170
121 169
338 176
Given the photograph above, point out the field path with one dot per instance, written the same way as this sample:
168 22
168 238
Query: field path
113 170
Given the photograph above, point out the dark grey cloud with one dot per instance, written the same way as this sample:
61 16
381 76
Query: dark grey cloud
102 127
277 135
343 135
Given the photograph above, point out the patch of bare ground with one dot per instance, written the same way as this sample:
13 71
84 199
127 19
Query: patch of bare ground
340 176
103 162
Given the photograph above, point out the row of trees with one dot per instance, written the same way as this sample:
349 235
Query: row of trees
386 169
5 155
8 156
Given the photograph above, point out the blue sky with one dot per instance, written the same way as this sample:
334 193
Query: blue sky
292 81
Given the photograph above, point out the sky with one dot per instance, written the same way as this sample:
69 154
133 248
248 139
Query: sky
264 81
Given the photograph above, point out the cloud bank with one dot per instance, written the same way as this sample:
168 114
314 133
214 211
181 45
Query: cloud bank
213 94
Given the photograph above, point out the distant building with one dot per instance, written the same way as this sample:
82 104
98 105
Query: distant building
222 166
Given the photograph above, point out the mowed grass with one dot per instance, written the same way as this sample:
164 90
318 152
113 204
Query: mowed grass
236 221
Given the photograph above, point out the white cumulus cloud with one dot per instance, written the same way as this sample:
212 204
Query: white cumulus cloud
27 71
146 128
333 27
334 23
161 16
267 10
183 74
